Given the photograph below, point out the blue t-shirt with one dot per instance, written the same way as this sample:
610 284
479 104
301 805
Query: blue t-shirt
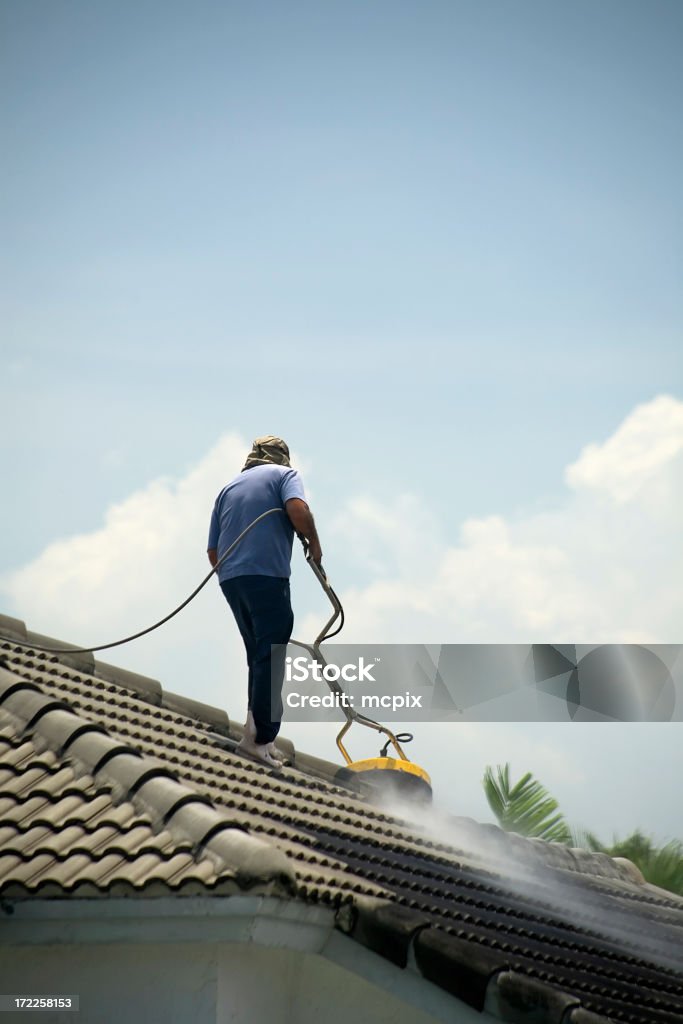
267 548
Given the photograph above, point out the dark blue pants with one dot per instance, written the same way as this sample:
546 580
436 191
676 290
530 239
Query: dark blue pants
263 612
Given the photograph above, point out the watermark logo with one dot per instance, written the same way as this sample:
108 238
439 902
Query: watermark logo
305 670
481 682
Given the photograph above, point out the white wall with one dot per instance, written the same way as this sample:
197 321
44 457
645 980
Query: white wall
140 984
194 983
279 986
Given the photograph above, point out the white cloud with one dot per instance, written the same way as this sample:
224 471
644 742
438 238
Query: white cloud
643 447
148 547
604 567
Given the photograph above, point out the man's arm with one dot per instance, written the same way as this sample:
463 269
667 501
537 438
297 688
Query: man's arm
214 531
302 520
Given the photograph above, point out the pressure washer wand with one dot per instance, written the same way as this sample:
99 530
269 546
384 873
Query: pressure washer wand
350 713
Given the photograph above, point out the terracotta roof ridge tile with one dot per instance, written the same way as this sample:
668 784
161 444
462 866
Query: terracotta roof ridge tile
144 686
69 654
11 628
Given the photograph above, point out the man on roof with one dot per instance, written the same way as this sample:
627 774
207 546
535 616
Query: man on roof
255 577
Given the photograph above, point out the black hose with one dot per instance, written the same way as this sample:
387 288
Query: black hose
150 629
328 636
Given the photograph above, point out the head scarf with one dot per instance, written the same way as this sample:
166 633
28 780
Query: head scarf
267 450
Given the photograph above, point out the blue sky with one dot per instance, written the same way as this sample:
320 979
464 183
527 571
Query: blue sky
436 246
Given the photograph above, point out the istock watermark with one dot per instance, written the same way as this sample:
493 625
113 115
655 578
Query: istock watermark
482 682
303 670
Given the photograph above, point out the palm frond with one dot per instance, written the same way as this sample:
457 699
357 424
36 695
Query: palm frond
526 808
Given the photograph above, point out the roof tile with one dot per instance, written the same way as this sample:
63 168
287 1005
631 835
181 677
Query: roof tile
93 748
514 997
386 928
61 728
163 797
126 771
553 927
462 966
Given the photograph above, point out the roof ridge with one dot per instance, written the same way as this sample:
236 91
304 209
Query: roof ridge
148 784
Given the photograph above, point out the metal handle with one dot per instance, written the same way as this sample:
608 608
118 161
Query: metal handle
337 612
313 649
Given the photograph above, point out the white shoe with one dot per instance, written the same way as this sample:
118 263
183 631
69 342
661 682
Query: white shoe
259 751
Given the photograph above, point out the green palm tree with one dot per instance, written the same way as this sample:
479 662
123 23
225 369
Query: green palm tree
661 866
526 808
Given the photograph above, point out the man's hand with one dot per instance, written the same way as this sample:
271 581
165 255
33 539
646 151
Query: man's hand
315 552
302 521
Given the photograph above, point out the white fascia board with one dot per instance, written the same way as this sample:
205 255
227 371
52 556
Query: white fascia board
261 919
